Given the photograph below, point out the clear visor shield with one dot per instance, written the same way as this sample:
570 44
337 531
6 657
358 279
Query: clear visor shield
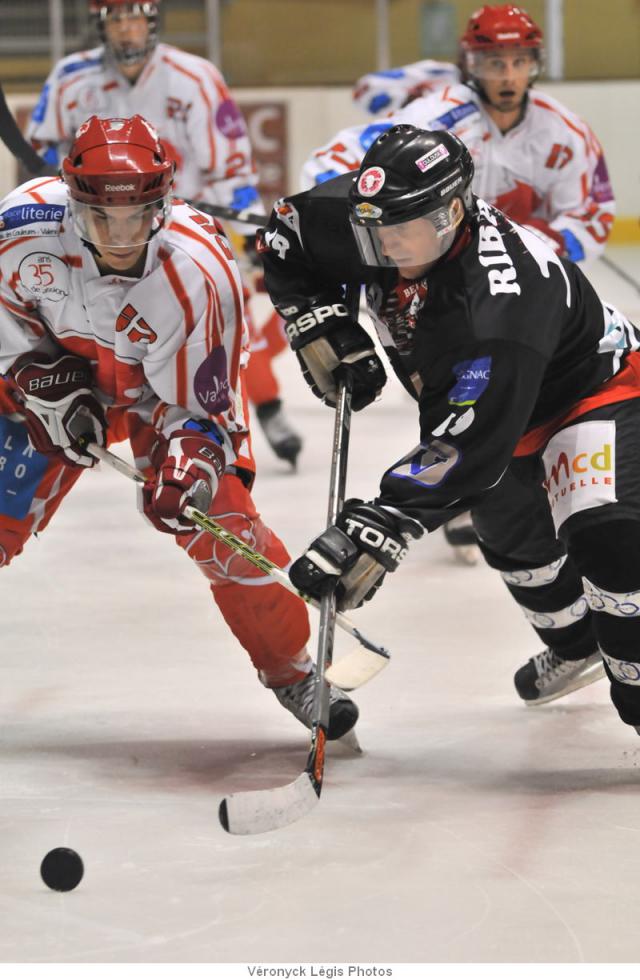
120 226
499 63
412 244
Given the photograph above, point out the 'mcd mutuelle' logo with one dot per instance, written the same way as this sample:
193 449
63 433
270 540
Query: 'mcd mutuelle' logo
371 181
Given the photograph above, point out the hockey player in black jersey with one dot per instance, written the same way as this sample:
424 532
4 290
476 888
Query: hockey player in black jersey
528 391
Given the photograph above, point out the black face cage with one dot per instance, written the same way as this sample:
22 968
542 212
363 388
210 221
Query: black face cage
145 9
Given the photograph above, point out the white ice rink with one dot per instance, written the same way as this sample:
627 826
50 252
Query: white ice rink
472 830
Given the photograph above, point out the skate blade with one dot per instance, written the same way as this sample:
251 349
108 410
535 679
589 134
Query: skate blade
590 676
349 742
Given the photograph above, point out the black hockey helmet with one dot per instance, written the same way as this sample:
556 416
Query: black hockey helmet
409 174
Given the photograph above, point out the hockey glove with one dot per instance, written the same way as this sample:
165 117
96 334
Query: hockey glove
61 411
330 346
188 467
355 553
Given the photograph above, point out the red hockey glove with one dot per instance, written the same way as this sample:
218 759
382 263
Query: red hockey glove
188 469
54 392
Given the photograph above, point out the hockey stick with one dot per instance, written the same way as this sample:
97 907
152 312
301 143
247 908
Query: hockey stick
380 656
620 272
17 145
257 811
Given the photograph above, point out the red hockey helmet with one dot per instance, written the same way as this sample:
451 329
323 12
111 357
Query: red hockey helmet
115 164
149 8
501 26
495 28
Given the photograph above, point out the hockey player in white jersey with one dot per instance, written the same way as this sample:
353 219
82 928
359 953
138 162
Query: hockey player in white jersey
121 317
534 158
187 100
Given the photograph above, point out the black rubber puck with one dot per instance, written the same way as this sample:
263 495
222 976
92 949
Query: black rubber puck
62 869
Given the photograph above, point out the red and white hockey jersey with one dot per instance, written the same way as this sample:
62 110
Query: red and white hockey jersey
386 91
548 172
168 345
185 97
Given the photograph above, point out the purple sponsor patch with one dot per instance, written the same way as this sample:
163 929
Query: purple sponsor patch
230 120
601 186
211 383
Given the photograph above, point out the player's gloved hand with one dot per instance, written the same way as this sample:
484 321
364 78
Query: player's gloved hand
355 553
331 346
189 466
61 411
554 239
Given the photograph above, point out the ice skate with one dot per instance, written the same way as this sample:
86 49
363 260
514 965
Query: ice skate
285 442
298 699
547 676
460 535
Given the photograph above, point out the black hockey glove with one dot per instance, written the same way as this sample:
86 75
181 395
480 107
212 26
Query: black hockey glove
331 346
355 553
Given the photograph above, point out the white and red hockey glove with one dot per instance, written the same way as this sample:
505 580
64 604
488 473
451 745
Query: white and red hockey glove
189 466
61 411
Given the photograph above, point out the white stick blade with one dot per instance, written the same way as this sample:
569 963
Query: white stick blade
258 811
355 669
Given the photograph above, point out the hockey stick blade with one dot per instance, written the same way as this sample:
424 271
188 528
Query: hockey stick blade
259 811
358 667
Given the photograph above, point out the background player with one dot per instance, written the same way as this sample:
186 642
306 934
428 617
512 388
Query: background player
187 100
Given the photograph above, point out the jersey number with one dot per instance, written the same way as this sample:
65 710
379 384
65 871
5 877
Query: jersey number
559 157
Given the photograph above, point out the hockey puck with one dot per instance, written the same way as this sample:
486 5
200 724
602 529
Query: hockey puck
62 869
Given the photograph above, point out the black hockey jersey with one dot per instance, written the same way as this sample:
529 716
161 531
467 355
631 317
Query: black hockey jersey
500 336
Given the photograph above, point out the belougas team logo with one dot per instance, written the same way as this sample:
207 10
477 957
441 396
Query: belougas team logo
371 181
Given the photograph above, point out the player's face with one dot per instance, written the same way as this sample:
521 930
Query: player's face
411 246
505 76
126 33
120 233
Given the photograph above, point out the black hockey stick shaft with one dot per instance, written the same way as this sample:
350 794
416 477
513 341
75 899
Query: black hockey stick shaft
328 605
16 143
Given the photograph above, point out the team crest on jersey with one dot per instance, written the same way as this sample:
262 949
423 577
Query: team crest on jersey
45 276
371 181
211 383
92 99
